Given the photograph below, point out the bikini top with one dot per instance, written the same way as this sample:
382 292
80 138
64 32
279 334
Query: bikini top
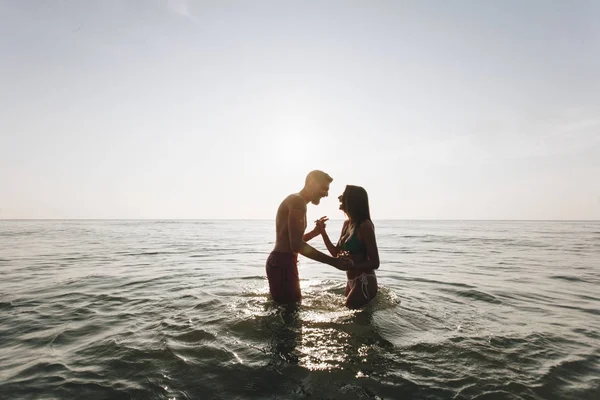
353 244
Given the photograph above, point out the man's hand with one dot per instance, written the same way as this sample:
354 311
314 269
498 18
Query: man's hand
343 263
321 224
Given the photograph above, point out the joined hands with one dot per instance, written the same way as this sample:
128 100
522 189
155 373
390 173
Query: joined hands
321 224
343 261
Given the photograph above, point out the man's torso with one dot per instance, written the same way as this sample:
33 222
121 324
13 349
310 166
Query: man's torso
282 240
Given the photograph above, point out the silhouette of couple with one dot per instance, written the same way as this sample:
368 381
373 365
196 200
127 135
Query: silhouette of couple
355 252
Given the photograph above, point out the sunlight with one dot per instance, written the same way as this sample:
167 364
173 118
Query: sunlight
295 150
322 348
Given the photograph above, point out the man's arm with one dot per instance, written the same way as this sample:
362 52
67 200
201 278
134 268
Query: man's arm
296 216
310 235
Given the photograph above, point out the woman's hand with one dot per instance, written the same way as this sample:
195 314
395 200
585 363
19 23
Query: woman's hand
321 224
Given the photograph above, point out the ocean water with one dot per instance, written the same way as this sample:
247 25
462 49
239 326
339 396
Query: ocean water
180 310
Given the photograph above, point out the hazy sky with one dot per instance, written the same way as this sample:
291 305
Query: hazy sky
218 109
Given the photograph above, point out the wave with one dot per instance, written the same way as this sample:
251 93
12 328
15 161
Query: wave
568 278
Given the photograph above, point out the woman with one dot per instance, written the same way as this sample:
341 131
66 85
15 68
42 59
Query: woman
357 241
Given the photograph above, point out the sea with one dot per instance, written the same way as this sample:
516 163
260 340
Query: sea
153 309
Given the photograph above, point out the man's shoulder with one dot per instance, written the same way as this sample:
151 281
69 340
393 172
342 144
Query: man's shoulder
295 201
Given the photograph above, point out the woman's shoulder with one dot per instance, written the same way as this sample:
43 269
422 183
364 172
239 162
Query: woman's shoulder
366 225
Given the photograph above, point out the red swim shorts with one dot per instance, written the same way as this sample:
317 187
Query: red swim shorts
282 272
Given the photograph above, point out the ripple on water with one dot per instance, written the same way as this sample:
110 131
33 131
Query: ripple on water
141 309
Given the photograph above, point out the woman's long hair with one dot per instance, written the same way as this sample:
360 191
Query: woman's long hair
356 204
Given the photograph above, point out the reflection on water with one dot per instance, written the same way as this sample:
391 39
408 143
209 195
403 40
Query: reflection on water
286 330
323 348
319 333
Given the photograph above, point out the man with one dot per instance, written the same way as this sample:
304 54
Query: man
290 224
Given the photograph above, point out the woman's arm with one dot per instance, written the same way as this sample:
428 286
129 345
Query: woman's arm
367 231
334 250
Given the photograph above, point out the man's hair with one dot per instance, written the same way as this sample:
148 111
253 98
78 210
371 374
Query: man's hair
318 176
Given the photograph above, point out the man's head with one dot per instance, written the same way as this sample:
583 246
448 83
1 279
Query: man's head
316 185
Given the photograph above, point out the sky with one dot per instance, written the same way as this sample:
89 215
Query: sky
218 109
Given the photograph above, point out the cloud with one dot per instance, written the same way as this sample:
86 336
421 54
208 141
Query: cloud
518 137
512 138
181 8
590 126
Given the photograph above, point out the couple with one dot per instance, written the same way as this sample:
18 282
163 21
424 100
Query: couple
355 252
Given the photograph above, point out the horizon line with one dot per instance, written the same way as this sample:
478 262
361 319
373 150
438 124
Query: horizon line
273 219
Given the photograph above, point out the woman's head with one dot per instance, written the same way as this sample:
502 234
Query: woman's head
355 203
